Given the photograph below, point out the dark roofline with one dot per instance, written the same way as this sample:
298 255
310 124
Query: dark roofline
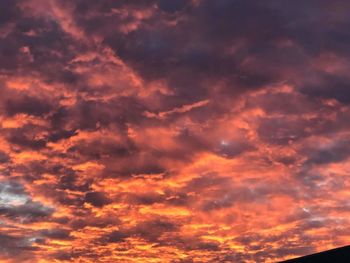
336 255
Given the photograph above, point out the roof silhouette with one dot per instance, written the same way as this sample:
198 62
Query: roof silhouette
337 255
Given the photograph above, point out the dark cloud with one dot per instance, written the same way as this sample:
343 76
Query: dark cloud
37 45
279 130
69 181
16 247
117 236
174 54
26 137
103 148
284 103
27 142
58 234
189 63
147 199
16 204
9 11
172 6
98 199
152 230
93 221
61 134
28 105
210 246
28 212
336 152
136 167
4 157
328 86
232 149
59 117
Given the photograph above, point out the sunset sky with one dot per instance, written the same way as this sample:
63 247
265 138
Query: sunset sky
173 131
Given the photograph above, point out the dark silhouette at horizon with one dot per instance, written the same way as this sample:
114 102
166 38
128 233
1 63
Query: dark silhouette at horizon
336 255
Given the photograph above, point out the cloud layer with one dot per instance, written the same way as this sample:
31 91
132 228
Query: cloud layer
173 130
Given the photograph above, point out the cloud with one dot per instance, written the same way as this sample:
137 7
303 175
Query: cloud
16 204
97 199
28 105
173 131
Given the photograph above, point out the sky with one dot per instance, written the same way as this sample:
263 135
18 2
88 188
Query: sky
173 131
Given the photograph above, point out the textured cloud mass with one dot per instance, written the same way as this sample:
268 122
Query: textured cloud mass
173 130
